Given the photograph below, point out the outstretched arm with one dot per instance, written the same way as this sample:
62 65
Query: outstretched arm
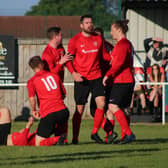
147 44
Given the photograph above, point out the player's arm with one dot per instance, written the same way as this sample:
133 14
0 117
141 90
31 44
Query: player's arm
117 63
32 99
61 86
106 56
72 51
147 44
49 64
63 60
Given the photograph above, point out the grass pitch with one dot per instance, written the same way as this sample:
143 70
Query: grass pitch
149 151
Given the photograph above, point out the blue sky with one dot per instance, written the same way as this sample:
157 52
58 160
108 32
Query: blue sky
15 7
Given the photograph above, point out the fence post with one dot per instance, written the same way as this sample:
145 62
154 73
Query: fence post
119 8
71 33
163 105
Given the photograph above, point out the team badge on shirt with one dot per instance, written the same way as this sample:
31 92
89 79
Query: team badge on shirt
95 43
82 45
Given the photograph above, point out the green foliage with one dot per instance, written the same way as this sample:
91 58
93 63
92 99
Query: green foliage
74 8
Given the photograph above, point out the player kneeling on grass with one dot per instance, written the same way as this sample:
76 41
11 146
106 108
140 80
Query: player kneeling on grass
50 92
23 137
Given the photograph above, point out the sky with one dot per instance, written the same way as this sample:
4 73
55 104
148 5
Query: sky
16 7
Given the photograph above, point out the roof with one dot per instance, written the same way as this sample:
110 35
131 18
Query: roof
145 4
36 26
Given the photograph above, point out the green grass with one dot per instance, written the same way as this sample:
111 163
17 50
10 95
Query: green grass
149 151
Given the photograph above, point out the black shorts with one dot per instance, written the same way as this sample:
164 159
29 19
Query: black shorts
82 89
121 94
4 131
93 105
47 124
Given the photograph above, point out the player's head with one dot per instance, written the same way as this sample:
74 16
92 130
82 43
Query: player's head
157 42
156 70
99 30
36 63
86 23
118 28
55 34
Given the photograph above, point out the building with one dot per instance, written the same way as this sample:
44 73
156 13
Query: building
147 18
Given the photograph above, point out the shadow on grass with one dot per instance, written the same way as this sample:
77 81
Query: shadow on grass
152 141
77 156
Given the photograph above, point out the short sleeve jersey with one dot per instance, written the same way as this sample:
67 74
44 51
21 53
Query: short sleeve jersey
49 90
87 52
51 58
122 62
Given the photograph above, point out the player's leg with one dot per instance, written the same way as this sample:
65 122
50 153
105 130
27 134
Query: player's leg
59 130
5 125
120 98
81 92
47 127
97 90
109 120
92 106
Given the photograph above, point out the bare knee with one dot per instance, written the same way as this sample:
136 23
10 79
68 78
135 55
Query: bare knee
80 109
38 139
100 102
113 108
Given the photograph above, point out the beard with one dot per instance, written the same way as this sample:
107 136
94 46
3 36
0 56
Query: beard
88 31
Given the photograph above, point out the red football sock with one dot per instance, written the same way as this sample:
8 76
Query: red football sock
63 129
76 121
49 141
97 120
121 119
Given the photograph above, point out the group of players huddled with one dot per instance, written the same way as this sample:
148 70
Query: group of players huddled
97 68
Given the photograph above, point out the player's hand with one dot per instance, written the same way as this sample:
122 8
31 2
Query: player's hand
36 114
111 58
104 80
67 57
77 77
30 122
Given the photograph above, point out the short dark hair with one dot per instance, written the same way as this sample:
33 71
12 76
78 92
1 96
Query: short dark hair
85 16
122 24
53 31
35 61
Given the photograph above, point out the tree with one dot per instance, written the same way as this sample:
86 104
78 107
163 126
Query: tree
75 7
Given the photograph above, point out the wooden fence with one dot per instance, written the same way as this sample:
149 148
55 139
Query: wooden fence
17 99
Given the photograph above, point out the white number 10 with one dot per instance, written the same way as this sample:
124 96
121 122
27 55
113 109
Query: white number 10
49 83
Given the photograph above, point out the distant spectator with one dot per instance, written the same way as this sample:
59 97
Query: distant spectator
149 73
156 51
166 71
138 89
156 91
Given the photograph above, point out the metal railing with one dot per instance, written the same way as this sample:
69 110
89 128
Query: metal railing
142 83
163 96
